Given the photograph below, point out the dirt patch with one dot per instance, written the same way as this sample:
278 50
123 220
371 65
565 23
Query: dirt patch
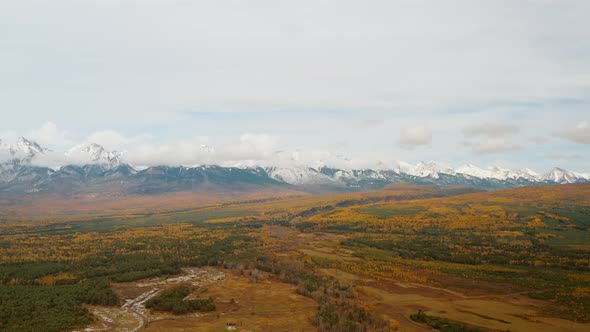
262 306
111 319
133 316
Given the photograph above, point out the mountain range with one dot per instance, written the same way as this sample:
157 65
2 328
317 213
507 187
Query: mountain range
96 170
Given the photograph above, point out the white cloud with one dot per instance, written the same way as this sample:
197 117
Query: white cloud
49 134
184 152
261 143
141 151
492 136
415 136
114 140
493 145
579 134
416 55
7 136
109 139
249 149
220 69
566 157
490 130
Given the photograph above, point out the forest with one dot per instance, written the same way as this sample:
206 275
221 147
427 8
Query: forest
172 300
528 241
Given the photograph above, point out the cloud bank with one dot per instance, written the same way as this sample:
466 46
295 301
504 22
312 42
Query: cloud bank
578 134
407 80
490 130
415 136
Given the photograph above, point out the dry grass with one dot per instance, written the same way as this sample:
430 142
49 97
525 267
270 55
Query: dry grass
268 305
512 312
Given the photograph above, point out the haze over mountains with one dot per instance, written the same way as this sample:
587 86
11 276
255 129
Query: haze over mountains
90 168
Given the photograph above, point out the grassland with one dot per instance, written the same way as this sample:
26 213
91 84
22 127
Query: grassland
267 305
515 260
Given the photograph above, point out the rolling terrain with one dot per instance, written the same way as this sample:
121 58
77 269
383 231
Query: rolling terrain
405 257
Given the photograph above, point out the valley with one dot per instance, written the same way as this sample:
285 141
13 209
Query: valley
404 258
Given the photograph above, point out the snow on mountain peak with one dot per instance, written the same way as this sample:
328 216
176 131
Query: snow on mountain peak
23 150
560 175
585 176
475 171
298 175
302 167
507 173
94 153
424 169
29 147
497 172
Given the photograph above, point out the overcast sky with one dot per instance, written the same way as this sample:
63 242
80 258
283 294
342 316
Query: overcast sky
485 82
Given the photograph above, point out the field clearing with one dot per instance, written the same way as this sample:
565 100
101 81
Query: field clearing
495 309
46 209
252 306
511 312
268 305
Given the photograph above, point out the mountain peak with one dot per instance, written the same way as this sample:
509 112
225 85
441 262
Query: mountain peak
425 169
25 149
498 173
298 175
475 171
94 153
560 175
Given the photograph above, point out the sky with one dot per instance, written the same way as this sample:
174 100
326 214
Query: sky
345 83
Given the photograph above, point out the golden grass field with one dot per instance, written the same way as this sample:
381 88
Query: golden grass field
267 305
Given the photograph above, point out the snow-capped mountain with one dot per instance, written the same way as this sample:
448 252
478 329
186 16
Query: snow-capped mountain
93 153
92 168
15 156
562 176
299 175
23 149
477 172
499 173
425 169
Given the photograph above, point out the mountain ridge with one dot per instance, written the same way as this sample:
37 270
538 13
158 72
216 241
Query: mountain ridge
98 170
